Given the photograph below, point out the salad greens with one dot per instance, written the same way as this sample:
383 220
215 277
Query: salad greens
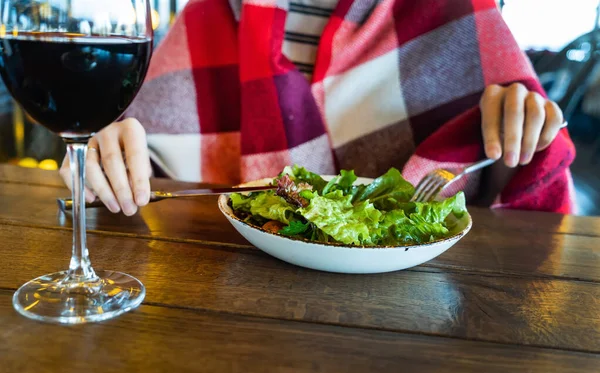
380 213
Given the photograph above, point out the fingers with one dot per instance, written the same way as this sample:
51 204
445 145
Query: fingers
97 181
517 123
535 115
491 115
514 118
553 122
138 161
107 175
114 168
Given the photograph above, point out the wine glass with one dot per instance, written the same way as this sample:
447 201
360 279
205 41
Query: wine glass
75 66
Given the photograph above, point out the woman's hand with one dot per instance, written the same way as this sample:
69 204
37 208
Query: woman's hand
117 167
516 123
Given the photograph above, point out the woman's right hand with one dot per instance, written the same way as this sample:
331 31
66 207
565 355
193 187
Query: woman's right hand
117 167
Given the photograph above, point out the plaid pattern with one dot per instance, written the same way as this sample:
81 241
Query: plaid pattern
304 25
396 83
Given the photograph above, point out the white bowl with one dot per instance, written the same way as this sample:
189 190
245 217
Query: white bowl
341 258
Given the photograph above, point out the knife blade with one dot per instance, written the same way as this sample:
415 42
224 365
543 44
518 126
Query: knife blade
66 204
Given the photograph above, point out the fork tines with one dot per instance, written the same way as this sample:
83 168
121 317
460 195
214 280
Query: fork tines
429 187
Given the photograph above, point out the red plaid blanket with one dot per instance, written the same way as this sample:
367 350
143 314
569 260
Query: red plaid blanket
396 83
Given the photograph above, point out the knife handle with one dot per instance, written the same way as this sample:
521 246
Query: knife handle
66 204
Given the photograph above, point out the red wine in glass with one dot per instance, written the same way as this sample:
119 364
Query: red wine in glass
73 85
75 67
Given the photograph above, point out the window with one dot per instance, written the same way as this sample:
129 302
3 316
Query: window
549 24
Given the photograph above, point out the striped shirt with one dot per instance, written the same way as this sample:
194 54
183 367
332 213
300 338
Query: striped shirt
304 26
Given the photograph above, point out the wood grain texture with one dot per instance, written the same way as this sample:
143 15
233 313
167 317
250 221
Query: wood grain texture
158 339
38 177
515 222
509 309
34 176
528 254
493 246
190 219
518 284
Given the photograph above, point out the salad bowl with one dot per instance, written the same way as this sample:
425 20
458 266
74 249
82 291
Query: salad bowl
342 258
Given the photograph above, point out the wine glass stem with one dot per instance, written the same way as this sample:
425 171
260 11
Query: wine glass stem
80 268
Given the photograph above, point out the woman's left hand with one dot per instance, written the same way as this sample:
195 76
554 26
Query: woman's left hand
517 123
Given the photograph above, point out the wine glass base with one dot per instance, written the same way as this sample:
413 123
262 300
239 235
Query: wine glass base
50 299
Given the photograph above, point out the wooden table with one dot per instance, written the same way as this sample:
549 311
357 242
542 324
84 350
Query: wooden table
520 293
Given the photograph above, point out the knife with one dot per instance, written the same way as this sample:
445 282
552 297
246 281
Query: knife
66 204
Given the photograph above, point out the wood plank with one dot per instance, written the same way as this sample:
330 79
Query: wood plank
38 177
517 222
34 176
527 222
159 339
197 219
510 309
489 247
486 249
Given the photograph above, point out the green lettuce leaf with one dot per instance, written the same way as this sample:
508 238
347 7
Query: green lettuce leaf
346 181
439 211
421 222
295 228
343 182
396 228
240 202
272 207
330 185
336 216
386 191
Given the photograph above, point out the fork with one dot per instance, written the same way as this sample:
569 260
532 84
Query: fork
433 183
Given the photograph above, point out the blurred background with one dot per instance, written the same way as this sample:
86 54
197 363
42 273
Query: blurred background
561 38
